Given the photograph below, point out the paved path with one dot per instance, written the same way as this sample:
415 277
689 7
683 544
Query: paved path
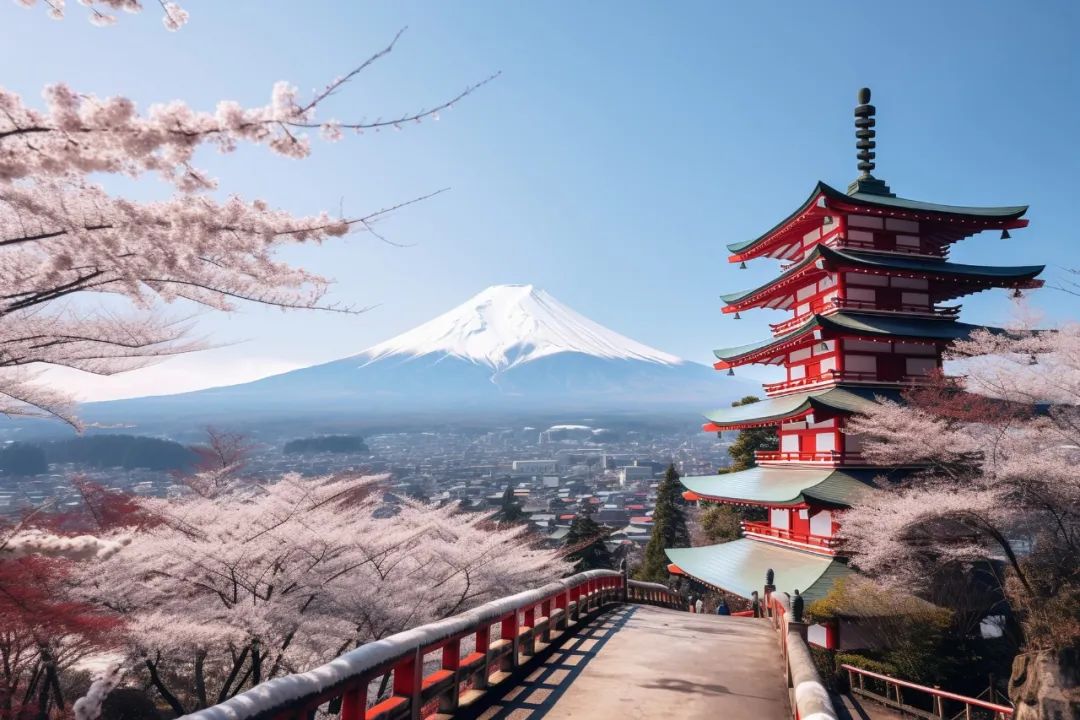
644 662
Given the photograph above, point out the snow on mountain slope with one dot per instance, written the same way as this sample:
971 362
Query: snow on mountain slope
509 325
510 349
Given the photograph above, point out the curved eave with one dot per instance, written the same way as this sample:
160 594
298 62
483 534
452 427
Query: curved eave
994 216
772 411
749 298
837 260
810 206
727 357
973 219
1005 275
848 324
739 567
784 487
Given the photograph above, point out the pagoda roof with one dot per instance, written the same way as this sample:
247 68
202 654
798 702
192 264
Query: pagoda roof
775 486
739 566
855 323
985 216
833 258
773 410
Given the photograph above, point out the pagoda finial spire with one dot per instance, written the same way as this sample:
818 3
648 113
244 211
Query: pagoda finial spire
864 132
865 144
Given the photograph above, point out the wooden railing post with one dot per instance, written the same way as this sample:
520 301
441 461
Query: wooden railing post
451 660
407 681
529 648
354 701
483 645
545 609
509 631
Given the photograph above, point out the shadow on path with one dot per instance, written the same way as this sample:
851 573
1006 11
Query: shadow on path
539 692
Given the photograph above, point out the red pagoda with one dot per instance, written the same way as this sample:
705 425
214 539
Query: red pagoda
866 277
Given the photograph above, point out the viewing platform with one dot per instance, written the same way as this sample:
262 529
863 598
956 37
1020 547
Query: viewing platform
594 645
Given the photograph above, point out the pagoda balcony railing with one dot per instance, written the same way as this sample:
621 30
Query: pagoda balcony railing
945 312
834 304
817 457
790 537
831 377
840 241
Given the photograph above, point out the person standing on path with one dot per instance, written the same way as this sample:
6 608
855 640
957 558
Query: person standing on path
699 606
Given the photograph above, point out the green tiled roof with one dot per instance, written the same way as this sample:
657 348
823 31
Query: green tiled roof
786 486
867 200
739 566
895 261
898 326
863 324
841 398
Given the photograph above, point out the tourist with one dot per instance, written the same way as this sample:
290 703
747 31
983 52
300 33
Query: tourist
722 608
699 606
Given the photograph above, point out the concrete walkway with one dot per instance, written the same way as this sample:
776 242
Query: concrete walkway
644 662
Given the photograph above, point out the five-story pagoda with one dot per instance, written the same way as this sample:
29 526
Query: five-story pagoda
866 277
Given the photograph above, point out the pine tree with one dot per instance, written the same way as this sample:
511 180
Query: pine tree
669 528
510 511
720 523
585 543
750 440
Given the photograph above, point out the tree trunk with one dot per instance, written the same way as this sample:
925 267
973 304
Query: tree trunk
200 677
159 685
1046 685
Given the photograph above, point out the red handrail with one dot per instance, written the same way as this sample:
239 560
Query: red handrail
761 528
822 456
1002 709
503 631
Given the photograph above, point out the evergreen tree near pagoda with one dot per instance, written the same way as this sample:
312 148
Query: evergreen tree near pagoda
585 546
510 511
669 528
721 523
750 441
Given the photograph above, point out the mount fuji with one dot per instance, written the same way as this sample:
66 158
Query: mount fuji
509 349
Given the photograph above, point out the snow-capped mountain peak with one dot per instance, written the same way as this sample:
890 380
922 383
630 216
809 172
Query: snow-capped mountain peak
508 325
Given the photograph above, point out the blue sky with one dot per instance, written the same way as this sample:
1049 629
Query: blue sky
623 146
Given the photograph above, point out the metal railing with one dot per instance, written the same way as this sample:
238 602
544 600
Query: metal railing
894 696
504 634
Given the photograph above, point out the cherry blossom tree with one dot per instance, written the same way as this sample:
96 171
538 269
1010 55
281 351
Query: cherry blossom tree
44 631
63 236
173 17
998 449
256 580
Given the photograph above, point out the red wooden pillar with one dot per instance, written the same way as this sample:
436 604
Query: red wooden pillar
509 631
451 660
407 682
832 635
562 601
483 645
354 701
530 624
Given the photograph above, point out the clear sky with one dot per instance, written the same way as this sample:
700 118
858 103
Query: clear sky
623 146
